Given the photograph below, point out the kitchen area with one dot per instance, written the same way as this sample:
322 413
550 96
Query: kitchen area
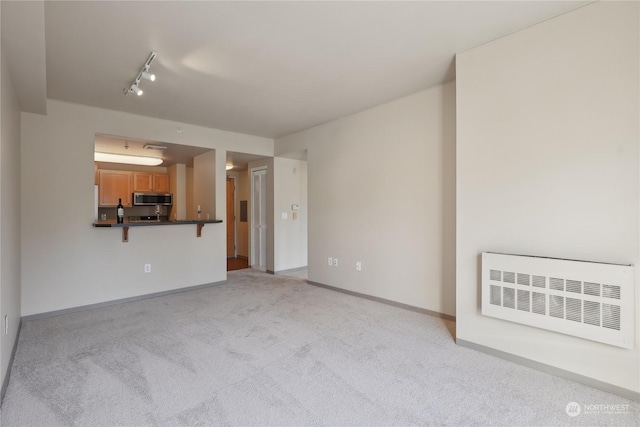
146 195
73 263
151 183
145 183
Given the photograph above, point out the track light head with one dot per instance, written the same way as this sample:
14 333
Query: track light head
135 89
148 76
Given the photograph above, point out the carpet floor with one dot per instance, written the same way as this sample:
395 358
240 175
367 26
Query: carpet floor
273 350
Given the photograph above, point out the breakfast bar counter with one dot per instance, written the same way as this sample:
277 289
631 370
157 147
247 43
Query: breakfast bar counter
125 226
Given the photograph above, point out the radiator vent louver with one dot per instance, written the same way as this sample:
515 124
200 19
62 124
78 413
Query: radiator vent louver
592 289
609 291
611 316
591 313
556 284
523 300
539 303
508 298
574 310
573 286
524 279
539 281
556 306
590 300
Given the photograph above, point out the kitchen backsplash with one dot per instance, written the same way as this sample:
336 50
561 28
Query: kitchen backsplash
132 211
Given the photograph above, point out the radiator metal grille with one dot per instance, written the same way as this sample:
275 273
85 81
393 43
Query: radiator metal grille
590 300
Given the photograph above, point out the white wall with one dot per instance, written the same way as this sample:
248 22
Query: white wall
178 184
381 191
290 235
10 216
547 164
204 181
191 206
68 263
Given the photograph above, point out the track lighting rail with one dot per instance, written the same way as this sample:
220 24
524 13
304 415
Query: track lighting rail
143 74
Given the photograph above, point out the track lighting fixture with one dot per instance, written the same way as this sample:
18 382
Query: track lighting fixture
135 89
148 76
143 74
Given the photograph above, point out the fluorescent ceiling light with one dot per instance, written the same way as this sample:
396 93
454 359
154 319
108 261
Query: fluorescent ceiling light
131 160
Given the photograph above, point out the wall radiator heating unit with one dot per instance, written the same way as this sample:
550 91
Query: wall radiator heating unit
590 300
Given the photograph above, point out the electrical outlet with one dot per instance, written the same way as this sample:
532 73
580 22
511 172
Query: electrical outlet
358 266
335 262
330 261
147 268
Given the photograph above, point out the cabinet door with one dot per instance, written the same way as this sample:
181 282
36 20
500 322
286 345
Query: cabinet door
142 181
161 183
114 185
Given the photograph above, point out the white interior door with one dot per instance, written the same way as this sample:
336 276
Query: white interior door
259 219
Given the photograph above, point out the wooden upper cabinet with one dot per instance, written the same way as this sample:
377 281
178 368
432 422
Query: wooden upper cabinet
114 185
151 182
161 183
142 181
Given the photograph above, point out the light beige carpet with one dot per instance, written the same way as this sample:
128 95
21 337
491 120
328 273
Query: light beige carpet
271 350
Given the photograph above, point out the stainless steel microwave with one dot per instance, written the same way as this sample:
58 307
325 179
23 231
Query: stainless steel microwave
151 199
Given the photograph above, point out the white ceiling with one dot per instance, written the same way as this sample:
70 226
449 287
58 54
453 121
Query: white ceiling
263 68
24 46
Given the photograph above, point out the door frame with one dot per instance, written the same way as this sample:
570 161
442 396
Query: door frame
251 198
235 223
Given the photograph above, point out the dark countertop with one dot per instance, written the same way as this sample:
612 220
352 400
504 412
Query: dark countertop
111 223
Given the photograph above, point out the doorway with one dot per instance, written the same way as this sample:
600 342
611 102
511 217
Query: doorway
234 262
231 217
259 218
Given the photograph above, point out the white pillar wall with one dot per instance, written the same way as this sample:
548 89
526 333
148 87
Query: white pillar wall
221 186
548 123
